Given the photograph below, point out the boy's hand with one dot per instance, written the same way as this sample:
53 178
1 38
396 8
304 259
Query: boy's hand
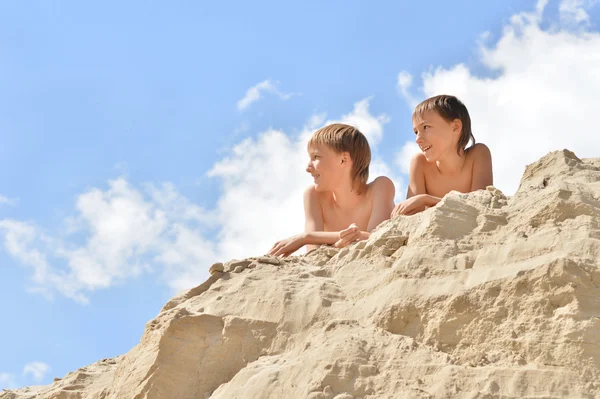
288 246
348 236
411 206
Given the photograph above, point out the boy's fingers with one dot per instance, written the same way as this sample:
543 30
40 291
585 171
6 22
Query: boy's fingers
350 239
278 250
339 243
345 233
353 229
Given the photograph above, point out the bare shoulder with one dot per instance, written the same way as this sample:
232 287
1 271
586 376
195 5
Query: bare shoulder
382 186
311 194
418 160
479 152
418 165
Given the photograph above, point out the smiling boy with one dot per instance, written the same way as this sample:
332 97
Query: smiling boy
442 126
340 207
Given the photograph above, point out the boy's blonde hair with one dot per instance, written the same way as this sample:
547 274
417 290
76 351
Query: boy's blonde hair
345 138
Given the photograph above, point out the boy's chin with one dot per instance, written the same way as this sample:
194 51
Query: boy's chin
430 157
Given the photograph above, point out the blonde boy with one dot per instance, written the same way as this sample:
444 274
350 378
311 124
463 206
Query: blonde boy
340 207
442 126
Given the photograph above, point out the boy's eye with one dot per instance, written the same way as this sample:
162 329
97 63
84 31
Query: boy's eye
425 127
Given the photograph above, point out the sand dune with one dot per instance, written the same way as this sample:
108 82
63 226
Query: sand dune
482 296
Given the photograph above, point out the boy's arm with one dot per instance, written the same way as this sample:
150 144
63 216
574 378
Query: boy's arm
416 197
383 192
416 176
482 167
313 235
313 219
313 222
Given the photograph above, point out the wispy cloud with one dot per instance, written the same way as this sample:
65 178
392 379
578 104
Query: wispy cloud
38 370
256 92
403 84
122 228
7 201
7 381
575 11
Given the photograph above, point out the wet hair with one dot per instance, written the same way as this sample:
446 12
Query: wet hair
345 138
449 108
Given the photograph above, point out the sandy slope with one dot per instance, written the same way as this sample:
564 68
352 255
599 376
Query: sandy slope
479 297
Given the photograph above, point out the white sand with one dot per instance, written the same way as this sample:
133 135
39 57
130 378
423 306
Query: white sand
479 297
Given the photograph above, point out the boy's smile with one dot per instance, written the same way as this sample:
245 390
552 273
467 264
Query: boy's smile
436 137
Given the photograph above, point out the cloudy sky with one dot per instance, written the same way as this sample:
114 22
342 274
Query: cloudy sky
142 141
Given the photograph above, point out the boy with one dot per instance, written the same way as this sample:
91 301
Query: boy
443 129
340 207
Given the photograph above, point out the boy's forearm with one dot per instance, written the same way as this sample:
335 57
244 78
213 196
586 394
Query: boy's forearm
321 237
327 237
430 200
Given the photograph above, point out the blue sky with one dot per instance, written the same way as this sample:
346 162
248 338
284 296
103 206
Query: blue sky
133 153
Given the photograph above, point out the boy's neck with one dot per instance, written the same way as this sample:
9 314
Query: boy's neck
452 164
346 196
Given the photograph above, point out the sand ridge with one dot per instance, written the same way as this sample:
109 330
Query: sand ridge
482 296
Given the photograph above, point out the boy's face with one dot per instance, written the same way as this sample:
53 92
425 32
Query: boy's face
437 138
325 166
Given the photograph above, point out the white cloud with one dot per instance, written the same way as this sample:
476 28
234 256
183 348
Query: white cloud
123 231
7 381
19 238
115 235
403 84
37 370
256 92
542 99
405 154
7 201
574 11
371 126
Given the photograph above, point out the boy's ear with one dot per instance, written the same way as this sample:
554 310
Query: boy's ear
345 157
457 125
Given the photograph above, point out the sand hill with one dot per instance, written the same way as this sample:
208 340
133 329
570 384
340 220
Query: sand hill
482 296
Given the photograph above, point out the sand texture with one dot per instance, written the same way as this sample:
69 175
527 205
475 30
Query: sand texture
481 296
